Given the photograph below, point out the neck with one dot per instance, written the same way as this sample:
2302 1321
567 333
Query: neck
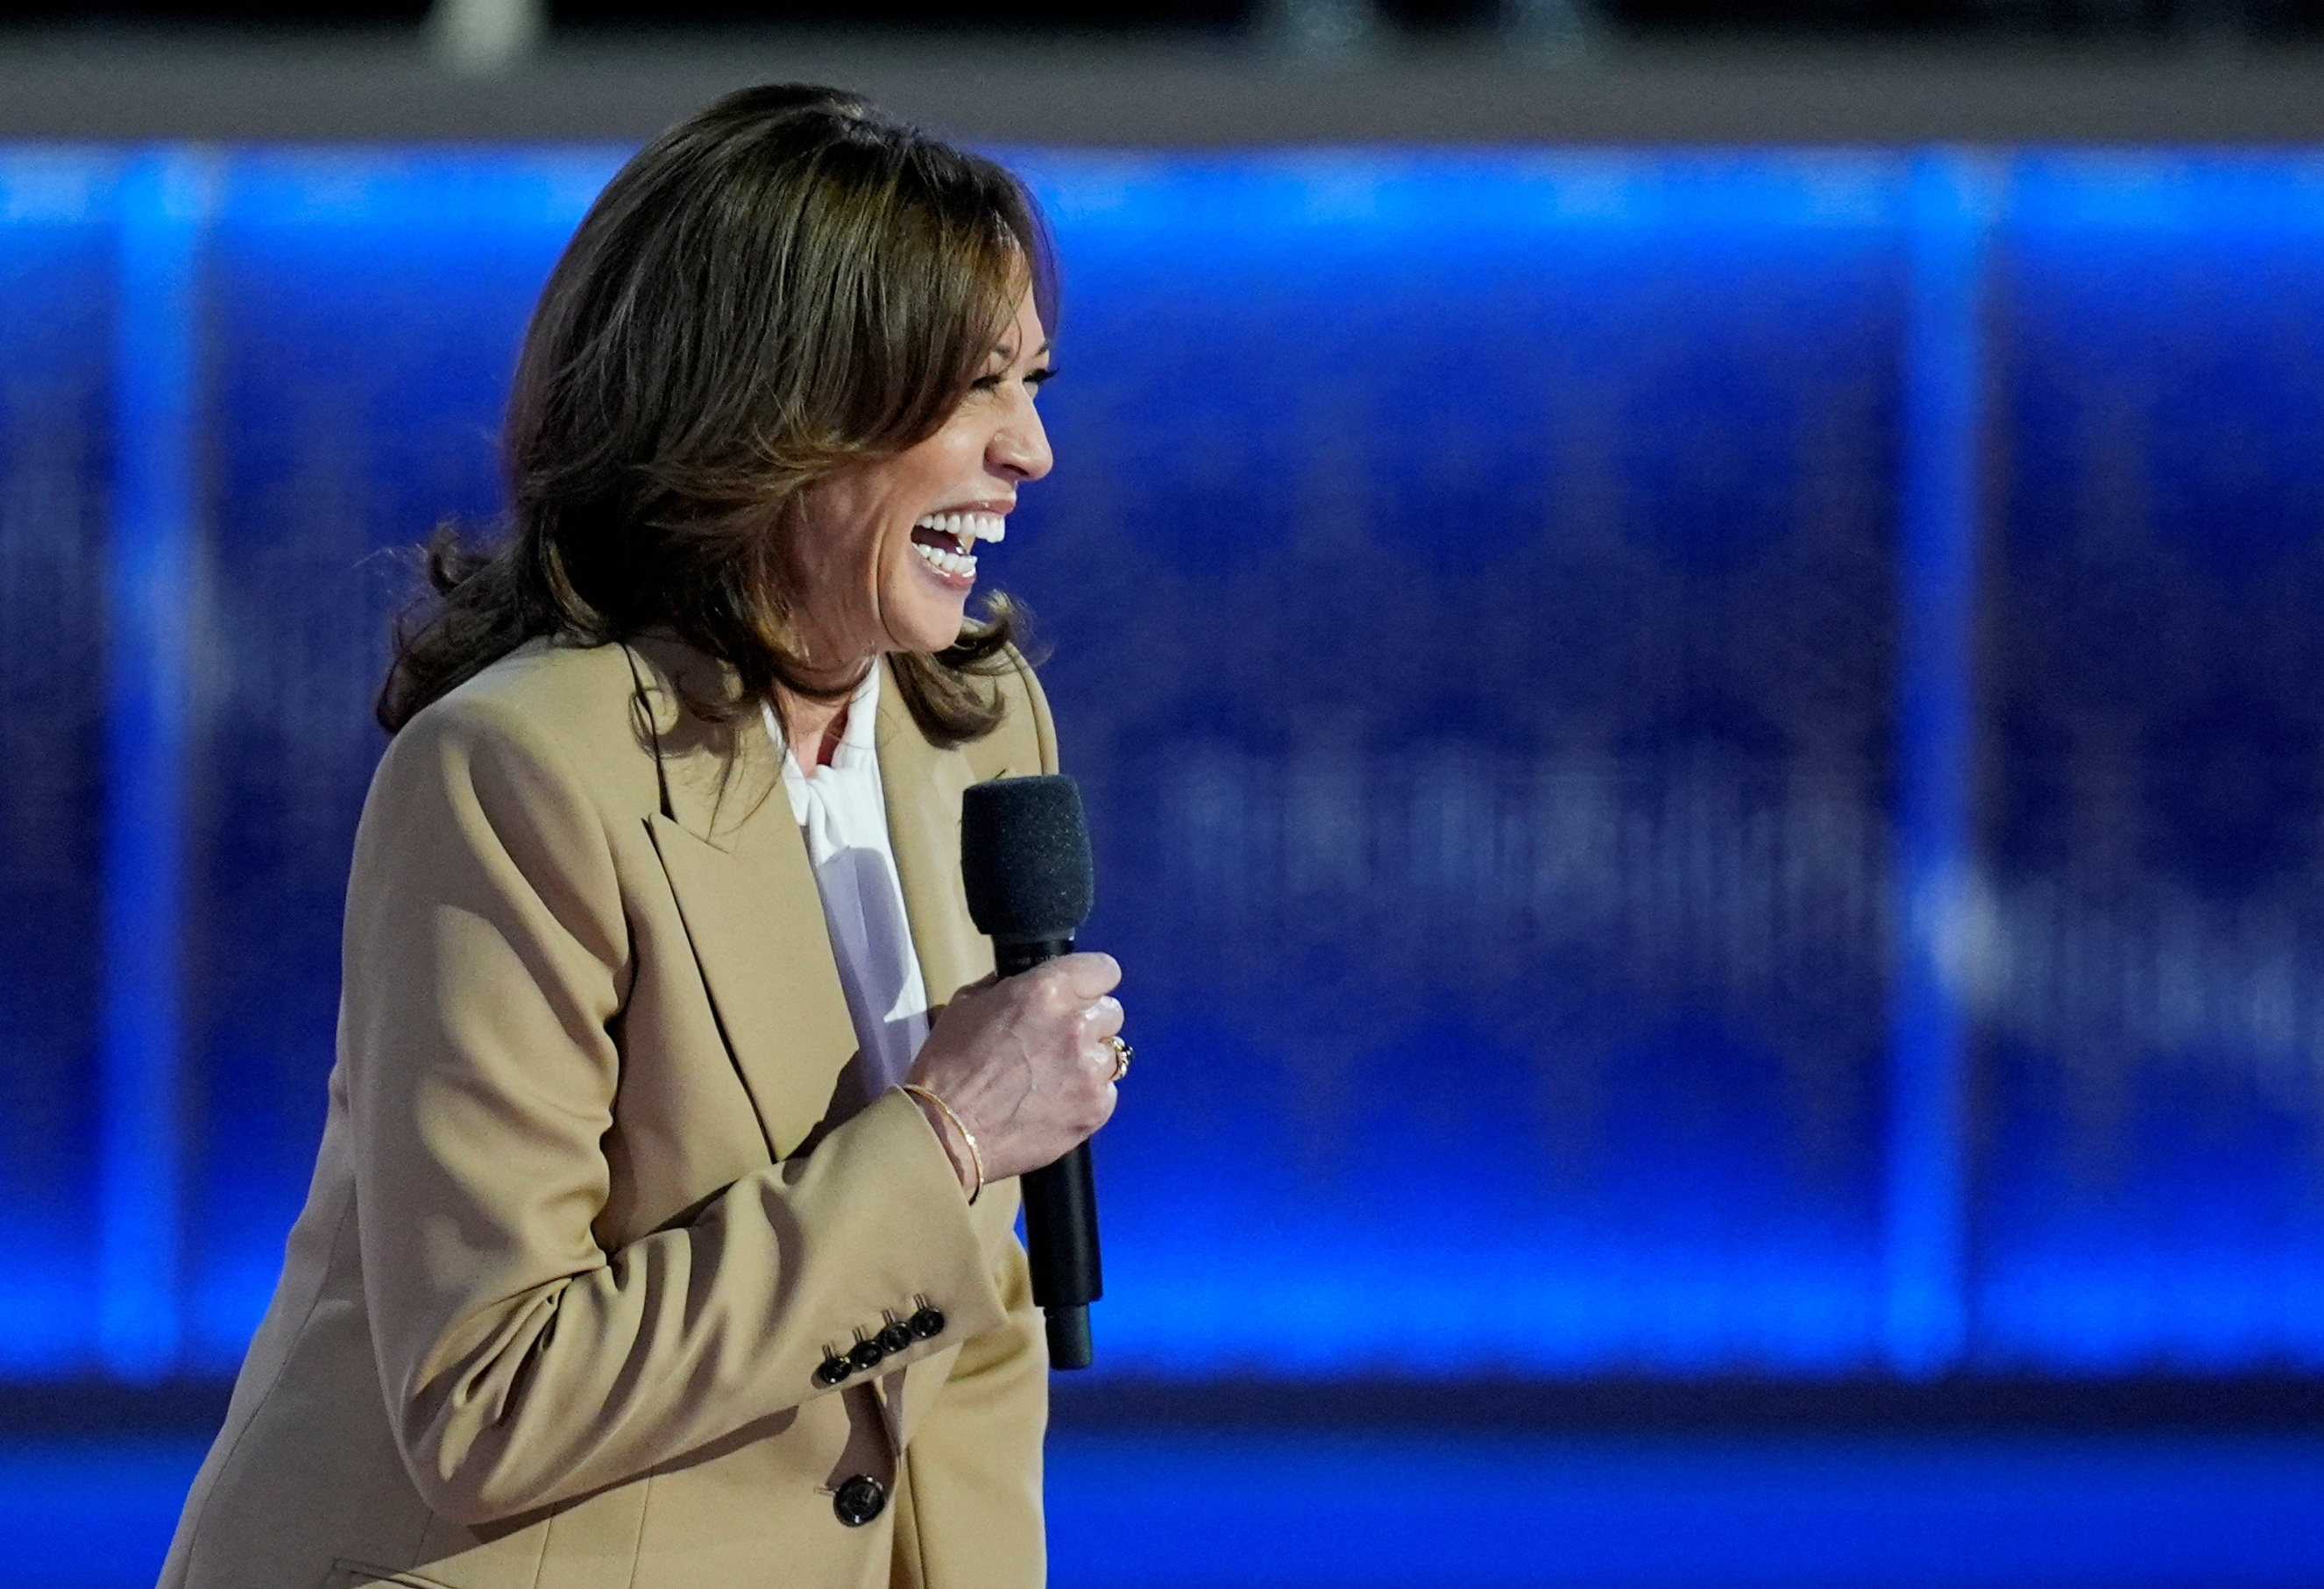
812 728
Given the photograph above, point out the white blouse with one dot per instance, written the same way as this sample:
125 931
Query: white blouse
842 811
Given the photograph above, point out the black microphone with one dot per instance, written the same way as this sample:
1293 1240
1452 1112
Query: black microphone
1025 859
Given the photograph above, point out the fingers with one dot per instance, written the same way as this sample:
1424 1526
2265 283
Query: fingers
1101 1020
1087 976
1078 987
1110 1055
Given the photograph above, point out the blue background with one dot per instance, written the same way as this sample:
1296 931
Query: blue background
1475 586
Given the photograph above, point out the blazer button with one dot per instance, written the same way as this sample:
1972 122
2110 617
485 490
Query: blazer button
927 1324
859 1500
866 1355
893 1339
833 1371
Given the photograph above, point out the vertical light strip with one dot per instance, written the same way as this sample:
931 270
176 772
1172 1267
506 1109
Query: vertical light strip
1953 205
163 203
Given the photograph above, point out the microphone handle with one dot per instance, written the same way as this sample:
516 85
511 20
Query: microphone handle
1060 1213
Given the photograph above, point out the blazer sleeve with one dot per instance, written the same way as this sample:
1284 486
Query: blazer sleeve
974 1463
486 957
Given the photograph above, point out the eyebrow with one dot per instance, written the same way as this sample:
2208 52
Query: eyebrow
1006 354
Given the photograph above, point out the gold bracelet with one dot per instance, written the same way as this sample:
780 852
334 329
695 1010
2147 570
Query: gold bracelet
966 1136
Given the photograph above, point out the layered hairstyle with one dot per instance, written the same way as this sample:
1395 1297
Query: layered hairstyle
784 285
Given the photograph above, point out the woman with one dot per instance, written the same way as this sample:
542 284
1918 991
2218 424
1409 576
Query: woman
627 1259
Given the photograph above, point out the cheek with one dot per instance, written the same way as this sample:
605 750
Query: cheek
949 463
849 549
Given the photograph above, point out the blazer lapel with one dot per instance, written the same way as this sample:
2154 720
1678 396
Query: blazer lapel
922 786
738 869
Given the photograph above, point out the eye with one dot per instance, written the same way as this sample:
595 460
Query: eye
1033 379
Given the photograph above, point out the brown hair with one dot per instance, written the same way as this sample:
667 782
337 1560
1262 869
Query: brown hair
785 283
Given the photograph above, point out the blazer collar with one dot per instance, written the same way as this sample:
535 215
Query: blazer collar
922 786
738 865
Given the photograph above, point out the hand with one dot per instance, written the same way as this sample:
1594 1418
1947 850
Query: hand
1024 1062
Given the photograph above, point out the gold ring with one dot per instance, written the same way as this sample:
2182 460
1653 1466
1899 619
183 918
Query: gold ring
1121 1052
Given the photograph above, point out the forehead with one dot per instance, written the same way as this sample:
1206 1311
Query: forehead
1024 333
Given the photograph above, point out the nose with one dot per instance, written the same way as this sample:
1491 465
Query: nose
1020 447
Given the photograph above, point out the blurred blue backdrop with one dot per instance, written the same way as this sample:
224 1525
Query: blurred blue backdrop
1702 763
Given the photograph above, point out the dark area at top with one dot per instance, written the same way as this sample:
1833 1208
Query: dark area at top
2059 18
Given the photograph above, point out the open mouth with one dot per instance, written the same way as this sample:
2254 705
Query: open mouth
946 542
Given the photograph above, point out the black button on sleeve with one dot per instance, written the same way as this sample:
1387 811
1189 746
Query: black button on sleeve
833 1371
866 1355
894 1339
859 1500
927 1324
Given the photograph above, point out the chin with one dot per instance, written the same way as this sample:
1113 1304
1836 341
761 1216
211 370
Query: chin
925 611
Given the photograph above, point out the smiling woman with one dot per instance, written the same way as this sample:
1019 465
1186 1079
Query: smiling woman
661 1232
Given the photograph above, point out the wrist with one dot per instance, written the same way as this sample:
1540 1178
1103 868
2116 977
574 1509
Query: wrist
959 1146
945 1140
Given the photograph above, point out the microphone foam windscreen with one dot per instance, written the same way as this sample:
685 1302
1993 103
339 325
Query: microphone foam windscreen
1025 858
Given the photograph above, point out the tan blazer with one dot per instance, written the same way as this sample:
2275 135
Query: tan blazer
580 1233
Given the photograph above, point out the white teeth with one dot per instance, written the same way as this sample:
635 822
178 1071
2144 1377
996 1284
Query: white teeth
949 562
966 527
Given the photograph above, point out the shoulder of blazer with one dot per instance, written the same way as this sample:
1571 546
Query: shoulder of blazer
581 701
1026 741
